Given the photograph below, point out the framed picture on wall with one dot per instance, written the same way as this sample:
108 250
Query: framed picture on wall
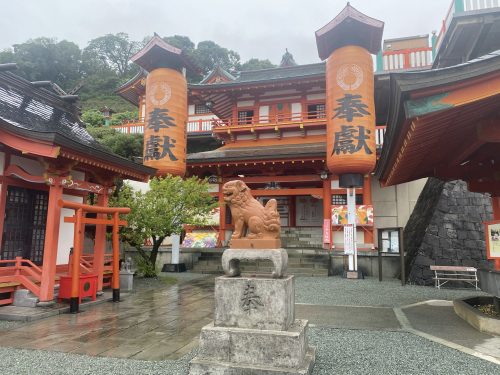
492 232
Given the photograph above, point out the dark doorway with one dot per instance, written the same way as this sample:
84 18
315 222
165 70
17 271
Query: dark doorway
24 225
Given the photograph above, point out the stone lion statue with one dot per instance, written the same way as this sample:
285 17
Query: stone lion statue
250 217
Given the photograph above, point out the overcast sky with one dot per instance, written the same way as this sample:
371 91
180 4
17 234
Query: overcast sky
253 28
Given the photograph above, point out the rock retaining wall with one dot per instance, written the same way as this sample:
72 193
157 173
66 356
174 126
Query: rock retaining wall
446 228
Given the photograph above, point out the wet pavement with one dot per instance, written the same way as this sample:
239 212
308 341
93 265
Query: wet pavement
150 325
156 330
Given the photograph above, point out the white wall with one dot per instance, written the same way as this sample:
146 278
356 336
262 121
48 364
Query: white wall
264 113
393 205
66 231
245 103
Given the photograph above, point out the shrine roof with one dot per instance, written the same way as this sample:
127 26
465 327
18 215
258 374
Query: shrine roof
438 120
217 72
349 27
133 88
269 75
40 115
224 154
159 54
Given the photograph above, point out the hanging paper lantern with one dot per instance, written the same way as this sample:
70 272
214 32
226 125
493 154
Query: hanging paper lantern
350 111
165 121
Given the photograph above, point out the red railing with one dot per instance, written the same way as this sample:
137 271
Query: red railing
22 271
206 126
193 127
413 58
87 260
281 119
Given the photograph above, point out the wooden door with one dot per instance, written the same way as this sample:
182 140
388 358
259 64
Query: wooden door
24 225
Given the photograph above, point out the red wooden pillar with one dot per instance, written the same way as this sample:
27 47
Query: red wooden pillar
51 243
367 199
327 212
100 241
222 216
495 202
116 258
75 266
3 195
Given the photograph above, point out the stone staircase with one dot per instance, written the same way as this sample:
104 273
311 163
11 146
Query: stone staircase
301 262
302 237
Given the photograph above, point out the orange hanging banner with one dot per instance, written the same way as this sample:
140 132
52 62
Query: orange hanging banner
165 121
350 110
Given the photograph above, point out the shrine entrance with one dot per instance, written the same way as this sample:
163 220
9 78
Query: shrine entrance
24 225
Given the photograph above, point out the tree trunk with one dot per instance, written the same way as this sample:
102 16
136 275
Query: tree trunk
154 250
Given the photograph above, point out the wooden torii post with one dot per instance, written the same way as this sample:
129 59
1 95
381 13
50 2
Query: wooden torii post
80 221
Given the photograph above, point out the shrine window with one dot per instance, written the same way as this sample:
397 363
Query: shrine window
201 109
341 199
317 110
245 117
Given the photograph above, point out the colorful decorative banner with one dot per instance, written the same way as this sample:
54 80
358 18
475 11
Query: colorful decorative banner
492 229
364 215
200 239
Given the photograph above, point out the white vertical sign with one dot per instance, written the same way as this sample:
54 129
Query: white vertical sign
176 239
351 220
349 239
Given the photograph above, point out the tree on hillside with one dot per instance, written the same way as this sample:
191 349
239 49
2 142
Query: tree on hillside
113 51
129 146
46 59
162 211
209 54
256 64
182 42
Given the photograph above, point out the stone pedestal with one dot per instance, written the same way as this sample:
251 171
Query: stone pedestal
231 260
126 280
254 331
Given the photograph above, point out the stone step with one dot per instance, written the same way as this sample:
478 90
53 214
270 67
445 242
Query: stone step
24 298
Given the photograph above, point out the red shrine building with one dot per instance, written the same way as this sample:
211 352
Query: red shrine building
270 128
49 164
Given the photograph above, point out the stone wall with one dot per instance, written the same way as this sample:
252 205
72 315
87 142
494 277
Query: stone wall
446 228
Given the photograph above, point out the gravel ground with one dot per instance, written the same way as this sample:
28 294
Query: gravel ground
5 325
370 292
39 362
368 352
337 352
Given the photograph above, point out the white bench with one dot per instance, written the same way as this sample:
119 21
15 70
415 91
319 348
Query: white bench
443 274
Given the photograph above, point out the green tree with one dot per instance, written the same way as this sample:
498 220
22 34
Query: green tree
93 117
127 145
182 42
256 64
119 118
112 51
46 59
162 211
209 54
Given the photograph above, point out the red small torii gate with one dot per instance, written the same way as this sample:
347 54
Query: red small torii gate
80 221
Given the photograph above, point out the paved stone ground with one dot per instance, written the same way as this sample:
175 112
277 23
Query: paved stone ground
358 327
